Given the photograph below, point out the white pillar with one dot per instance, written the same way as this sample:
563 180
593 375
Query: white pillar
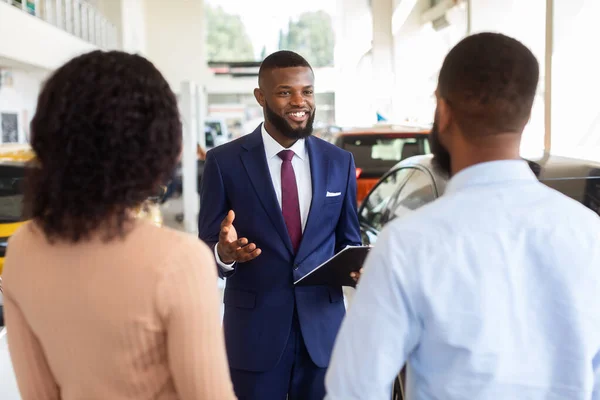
383 56
353 42
192 119
201 111
174 39
134 26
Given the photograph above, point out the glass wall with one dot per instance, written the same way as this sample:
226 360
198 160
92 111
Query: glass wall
575 114
576 79
526 22
419 52
417 70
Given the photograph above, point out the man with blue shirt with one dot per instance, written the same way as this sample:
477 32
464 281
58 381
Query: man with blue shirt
491 291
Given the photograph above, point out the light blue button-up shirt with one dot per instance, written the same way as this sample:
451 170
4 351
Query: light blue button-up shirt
490 292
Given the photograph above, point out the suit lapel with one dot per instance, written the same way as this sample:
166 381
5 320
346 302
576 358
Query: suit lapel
319 170
255 163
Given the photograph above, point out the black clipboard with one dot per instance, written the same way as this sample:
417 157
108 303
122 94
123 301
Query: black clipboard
336 271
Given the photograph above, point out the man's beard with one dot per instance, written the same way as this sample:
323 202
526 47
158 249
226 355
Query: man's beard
286 129
441 157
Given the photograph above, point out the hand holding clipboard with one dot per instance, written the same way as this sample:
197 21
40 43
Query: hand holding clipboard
338 269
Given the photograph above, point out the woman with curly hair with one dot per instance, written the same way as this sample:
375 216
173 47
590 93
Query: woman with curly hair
100 304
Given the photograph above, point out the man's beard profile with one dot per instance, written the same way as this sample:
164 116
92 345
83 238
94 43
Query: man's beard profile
441 157
286 129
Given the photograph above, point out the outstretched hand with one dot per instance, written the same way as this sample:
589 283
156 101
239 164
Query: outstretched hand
230 248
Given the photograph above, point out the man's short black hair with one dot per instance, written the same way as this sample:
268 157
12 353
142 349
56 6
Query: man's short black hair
489 81
282 59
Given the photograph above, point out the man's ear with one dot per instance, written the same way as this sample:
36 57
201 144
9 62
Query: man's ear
259 96
444 115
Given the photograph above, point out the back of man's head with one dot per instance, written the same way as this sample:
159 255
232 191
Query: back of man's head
489 82
281 59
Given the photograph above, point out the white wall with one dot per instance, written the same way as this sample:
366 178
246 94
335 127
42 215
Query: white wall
113 11
169 33
175 39
21 98
129 18
30 40
134 26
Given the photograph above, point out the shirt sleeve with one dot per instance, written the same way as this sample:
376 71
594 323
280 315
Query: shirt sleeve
381 327
189 303
596 366
222 265
34 378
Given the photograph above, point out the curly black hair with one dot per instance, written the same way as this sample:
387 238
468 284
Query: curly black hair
489 80
106 134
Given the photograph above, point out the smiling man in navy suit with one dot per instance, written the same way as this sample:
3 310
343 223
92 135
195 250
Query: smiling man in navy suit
274 205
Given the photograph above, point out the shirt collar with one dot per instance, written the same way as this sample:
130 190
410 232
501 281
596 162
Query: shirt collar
490 173
272 147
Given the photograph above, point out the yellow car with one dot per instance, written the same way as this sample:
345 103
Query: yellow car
12 171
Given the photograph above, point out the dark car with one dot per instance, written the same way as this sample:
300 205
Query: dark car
176 188
378 149
175 185
414 182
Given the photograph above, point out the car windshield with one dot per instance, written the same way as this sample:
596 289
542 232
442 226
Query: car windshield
376 154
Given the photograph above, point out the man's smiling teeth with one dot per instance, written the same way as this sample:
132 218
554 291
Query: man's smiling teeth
299 114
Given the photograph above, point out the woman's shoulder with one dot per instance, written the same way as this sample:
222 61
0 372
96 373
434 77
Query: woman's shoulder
26 233
179 255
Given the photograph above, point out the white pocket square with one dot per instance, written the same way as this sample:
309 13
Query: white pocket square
333 194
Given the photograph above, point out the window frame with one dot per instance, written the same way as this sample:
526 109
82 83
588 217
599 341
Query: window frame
363 221
391 206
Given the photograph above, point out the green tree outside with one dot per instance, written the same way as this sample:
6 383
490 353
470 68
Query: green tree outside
312 36
226 37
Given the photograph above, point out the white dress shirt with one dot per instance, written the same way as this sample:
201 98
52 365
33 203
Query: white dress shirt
301 164
490 292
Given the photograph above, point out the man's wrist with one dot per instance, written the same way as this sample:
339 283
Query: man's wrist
227 266
221 257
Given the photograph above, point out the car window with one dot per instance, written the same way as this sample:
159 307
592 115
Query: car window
216 126
376 154
418 190
426 147
11 193
592 191
374 206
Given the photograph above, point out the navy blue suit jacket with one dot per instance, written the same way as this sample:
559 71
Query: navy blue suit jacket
260 295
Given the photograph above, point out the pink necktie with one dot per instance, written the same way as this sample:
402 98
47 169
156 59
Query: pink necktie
290 206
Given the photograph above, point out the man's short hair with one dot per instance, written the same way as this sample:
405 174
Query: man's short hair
282 59
489 81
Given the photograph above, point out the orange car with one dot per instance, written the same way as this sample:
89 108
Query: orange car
378 149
